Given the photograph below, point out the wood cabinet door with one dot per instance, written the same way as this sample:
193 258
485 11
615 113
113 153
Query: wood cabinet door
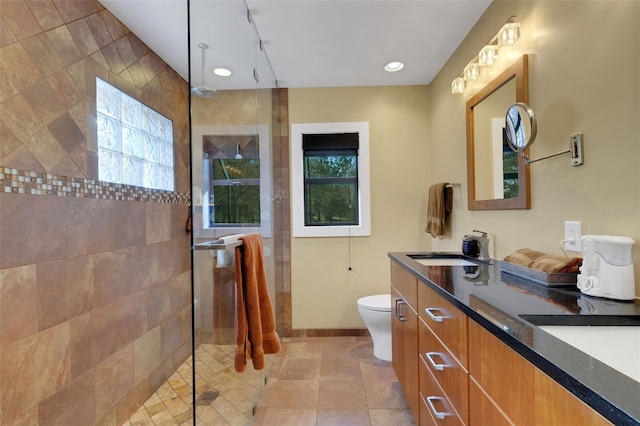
483 410
521 391
411 360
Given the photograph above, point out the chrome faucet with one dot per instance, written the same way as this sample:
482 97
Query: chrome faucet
483 243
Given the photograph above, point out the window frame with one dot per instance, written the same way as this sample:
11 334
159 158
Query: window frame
201 181
299 228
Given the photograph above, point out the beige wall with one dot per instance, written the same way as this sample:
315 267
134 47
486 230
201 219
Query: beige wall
324 291
584 77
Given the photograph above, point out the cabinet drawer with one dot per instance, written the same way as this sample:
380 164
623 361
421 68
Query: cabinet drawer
435 401
451 376
406 284
483 409
446 321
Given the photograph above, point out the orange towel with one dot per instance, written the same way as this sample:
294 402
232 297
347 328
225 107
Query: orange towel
256 334
438 205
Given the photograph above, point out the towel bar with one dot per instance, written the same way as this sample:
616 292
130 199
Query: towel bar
219 244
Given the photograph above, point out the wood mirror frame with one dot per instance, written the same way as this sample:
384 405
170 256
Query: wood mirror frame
520 71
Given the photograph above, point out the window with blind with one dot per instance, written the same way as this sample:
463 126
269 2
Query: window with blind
330 175
330 179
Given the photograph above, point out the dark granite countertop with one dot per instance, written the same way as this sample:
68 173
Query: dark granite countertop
512 309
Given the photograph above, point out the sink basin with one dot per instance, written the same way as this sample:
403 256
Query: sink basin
442 259
445 262
616 346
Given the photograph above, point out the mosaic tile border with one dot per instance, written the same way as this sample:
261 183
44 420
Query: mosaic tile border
32 183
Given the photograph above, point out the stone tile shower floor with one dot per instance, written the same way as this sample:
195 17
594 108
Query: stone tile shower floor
224 397
314 381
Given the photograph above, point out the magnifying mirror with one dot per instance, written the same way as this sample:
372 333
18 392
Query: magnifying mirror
521 127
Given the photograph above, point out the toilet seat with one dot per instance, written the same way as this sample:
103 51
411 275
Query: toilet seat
378 302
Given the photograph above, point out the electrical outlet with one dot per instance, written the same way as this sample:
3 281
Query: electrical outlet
573 233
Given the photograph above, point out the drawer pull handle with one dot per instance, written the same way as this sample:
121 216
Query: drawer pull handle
438 414
436 318
434 364
400 310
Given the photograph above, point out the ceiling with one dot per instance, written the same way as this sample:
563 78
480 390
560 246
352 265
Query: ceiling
309 43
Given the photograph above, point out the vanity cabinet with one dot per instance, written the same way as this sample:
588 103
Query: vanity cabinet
505 386
404 334
455 372
443 352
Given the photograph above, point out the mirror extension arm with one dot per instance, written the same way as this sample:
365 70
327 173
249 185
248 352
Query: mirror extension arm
575 150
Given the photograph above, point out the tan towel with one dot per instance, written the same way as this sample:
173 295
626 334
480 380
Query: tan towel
549 263
557 264
437 208
256 334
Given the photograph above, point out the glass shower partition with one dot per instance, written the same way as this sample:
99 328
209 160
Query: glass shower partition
231 172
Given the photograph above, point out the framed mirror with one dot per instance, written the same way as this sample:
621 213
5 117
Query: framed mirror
497 177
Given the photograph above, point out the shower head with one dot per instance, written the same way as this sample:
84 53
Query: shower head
203 90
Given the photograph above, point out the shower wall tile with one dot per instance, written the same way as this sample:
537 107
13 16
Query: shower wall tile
19 19
146 260
112 276
21 71
70 10
114 379
62 408
158 304
92 338
20 118
44 101
66 131
62 42
45 149
129 224
171 335
81 34
90 226
171 259
45 13
158 223
65 290
31 229
146 354
32 370
131 319
134 399
18 304
43 54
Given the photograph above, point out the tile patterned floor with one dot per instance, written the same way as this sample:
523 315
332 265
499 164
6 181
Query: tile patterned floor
314 381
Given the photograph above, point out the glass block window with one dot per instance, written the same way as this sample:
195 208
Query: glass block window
135 143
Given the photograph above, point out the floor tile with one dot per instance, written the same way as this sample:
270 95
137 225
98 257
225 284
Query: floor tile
323 381
341 394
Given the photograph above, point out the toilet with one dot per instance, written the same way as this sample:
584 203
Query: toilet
376 314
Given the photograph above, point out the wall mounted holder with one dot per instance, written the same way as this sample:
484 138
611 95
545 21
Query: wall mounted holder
575 151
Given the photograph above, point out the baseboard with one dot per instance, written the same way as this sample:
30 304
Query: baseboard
328 332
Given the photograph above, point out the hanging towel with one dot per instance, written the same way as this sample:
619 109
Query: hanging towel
256 326
440 202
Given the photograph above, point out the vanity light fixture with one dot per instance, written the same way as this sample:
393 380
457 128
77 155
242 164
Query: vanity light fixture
488 55
508 35
393 66
471 71
222 72
458 85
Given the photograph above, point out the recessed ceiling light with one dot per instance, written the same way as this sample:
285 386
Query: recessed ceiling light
393 66
222 72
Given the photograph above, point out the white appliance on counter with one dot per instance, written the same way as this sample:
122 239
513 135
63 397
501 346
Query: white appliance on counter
607 267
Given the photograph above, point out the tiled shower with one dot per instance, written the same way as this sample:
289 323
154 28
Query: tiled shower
95 278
